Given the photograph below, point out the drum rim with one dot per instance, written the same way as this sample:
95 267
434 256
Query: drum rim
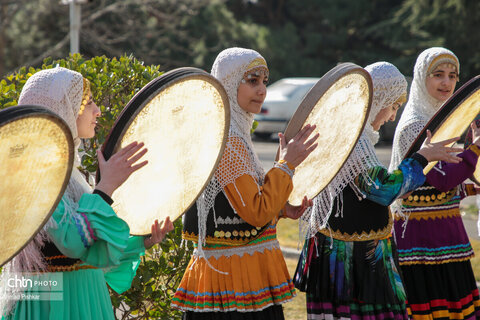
448 107
146 94
316 93
131 108
18 112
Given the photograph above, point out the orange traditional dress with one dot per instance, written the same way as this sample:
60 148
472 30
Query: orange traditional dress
237 270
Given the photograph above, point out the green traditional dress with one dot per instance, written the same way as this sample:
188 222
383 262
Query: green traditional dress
95 249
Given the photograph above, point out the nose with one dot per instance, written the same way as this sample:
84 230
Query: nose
98 112
262 90
445 80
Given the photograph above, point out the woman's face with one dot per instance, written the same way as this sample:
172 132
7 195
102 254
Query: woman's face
87 121
441 82
252 91
386 114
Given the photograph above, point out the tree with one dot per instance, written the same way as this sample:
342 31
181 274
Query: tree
448 23
170 33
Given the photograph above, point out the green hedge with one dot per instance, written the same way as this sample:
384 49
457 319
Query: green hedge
114 82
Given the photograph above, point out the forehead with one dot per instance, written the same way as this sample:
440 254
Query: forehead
446 68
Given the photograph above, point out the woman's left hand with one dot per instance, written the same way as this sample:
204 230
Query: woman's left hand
158 232
295 212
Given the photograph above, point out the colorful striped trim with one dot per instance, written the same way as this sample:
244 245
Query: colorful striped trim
82 230
74 267
431 251
439 261
89 227
269 234
230 300
355 311
466 308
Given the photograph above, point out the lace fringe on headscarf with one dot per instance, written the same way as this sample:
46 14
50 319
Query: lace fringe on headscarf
389 87
229 68
59 90
420 108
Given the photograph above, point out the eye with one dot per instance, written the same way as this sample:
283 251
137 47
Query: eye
265 81
252 80
453 77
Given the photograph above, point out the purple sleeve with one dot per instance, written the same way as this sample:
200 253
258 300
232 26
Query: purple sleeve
445 176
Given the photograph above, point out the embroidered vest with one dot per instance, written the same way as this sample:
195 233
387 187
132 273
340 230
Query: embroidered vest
224 226
362 220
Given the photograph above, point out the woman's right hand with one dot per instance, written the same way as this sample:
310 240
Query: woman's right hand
298 148
437 151
119 167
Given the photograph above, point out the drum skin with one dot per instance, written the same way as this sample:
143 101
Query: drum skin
452 119
183 118
36 154
338 105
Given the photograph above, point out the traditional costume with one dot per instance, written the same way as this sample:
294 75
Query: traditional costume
84 242
348 265
433 246
237 270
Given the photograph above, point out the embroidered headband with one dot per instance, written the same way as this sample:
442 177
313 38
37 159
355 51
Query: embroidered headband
85 95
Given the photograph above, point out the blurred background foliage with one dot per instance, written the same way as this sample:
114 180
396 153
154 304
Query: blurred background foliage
298 38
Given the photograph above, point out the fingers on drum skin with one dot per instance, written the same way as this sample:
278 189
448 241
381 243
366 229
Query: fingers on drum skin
308 132
300 134
127 148
137 156
132 151
312 140
448 141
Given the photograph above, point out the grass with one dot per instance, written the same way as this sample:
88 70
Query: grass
295 309
287 232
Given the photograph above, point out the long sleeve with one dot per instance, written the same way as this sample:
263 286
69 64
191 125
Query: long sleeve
94 234
389 186
257 205
450 175
259 208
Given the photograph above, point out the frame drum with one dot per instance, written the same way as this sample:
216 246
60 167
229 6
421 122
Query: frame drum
468 141
338 104
183 117
36 154
453 118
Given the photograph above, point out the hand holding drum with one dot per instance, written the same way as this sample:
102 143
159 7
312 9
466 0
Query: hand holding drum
119 167
450 121
438 151
182 117
298 148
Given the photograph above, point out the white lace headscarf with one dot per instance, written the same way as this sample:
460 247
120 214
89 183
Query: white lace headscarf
389 87
421 106
229 68
59 90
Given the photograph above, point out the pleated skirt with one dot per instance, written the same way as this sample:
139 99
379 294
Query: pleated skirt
351 280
